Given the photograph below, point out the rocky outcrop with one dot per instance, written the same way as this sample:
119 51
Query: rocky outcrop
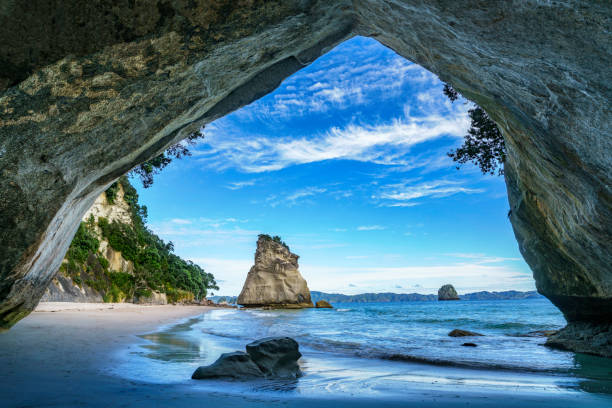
323 304
274 280
583 337
64 289
463 333
277 357
273 357
447 292
230 365
117 83
156 298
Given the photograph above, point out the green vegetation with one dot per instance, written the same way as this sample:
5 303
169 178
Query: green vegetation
484 144
150 168
111 192
275 238
156 267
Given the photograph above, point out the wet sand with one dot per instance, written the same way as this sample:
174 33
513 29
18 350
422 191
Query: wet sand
62 355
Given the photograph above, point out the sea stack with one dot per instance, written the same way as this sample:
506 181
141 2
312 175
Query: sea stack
447 292
274 280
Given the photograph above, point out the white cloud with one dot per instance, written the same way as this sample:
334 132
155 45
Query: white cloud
402 194
294 198
481 258
386 144
236 185
466 277
305 192
229 273
180 221
370 228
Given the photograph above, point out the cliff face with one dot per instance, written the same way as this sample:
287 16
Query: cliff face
274 280
81 107
75 285
115 258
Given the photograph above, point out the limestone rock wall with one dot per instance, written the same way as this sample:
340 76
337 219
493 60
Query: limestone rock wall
63 289
156 298
274 280
90 89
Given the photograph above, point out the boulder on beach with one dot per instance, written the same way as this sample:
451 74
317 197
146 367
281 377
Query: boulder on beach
277 357
273 357
447 292
463 333
275 281
230 365
323 304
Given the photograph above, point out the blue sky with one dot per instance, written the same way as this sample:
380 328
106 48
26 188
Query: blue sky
346 161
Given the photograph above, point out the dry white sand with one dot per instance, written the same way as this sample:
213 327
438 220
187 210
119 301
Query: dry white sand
59 356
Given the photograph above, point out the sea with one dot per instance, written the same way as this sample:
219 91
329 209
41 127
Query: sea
381 349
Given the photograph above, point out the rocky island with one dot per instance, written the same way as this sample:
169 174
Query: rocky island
447 292
274 280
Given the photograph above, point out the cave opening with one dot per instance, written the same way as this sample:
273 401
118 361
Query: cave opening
354 178
347 161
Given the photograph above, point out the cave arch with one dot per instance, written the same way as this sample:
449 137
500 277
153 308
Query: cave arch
82 104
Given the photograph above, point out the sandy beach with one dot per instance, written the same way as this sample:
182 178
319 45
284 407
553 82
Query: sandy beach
62 354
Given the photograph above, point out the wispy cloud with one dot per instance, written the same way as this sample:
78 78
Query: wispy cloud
180 221
403 194
236 185
337 82
297 197
481 258
387 144
305 192
370 228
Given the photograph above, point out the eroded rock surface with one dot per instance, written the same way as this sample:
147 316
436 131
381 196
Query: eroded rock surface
323 304
274 280
90 89
272 357
277 357
584 337
447 292
230 365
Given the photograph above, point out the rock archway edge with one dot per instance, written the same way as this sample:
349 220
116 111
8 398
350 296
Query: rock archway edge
92 108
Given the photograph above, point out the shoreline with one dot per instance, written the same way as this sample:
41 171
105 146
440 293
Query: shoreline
61 355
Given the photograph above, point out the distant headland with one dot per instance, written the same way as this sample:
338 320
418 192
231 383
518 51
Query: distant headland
402 297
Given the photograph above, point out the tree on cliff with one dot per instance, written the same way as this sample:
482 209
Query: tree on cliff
483 145
150 168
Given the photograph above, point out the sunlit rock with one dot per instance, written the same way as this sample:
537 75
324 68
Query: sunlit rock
274 280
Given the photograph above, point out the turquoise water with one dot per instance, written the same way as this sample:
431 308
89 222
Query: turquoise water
382 348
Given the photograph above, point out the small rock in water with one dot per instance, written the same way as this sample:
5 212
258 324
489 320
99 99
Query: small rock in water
234 365
273 357
463 333
469 345
447 292
539 333
323 304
